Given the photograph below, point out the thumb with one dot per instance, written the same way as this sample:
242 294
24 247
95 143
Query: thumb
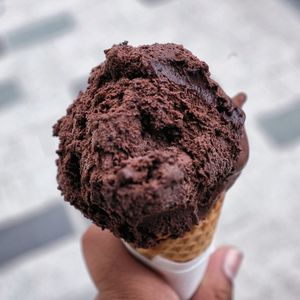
221 270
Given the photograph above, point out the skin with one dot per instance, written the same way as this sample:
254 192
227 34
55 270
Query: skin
239 99
119 276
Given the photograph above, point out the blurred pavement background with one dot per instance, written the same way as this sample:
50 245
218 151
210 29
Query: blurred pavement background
47 49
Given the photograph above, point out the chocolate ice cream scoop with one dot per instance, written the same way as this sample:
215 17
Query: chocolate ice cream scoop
149 145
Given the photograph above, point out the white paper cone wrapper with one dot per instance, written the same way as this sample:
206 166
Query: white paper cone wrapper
184 278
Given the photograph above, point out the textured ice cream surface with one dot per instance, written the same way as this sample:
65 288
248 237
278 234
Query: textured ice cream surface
148 146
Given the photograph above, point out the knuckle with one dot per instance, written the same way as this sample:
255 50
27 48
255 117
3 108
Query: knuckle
222 293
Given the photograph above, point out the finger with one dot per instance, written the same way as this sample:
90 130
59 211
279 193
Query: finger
239 99
115 271
221 271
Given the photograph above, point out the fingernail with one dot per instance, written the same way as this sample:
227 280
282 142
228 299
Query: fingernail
232 262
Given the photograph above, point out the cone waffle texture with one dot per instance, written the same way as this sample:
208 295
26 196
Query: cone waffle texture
193 243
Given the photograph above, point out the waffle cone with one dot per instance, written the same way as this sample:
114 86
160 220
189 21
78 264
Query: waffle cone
193 243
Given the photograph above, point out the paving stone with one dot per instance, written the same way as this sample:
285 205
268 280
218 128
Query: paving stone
283 126
34 231
40 31
10 92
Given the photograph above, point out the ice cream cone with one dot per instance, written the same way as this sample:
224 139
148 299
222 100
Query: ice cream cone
193 243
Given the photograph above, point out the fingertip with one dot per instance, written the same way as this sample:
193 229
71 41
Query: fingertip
93 232
101 245
226 261
239 99
232 262
88 235
221 271
92 237
100 250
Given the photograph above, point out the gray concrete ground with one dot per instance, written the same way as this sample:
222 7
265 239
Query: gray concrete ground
47 49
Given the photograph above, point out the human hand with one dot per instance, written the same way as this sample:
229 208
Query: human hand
120 276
